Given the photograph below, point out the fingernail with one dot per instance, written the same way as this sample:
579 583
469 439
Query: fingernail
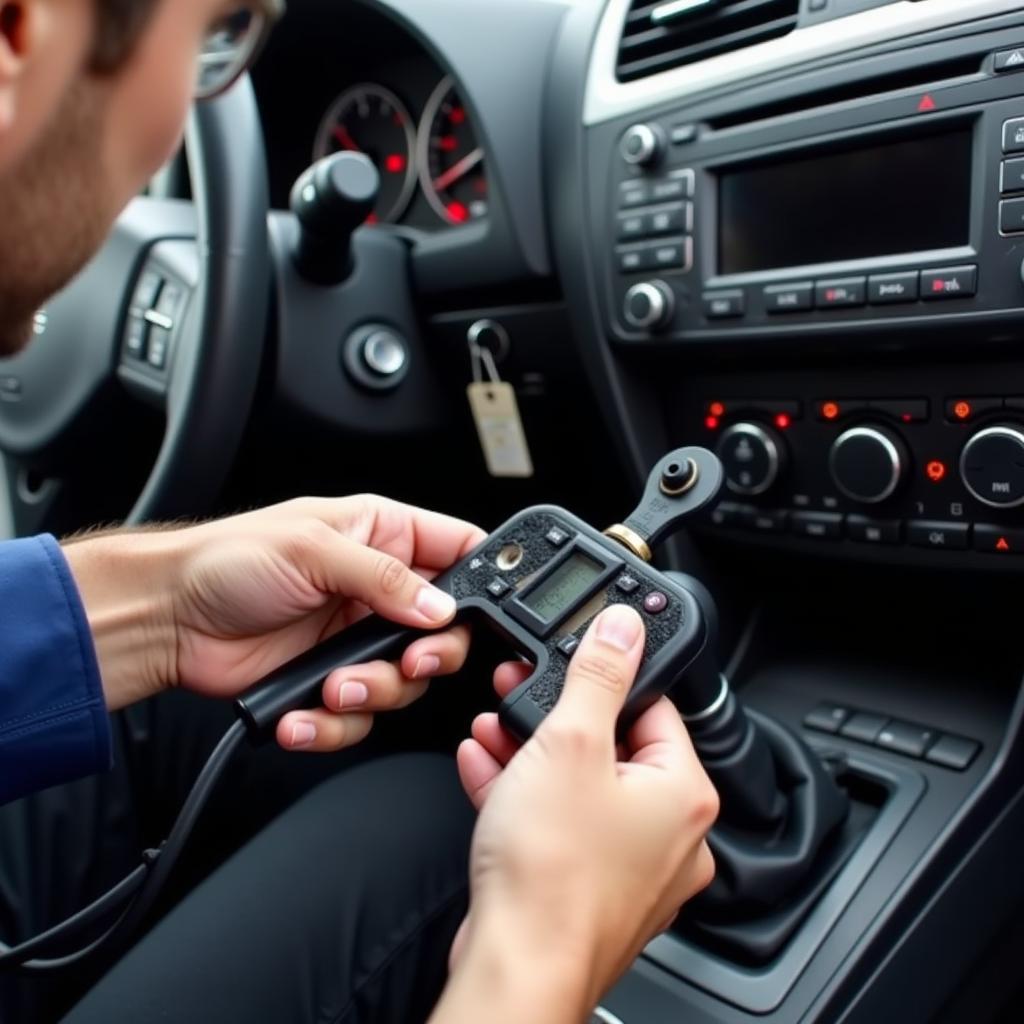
426 666
619 627
435 604
352 695
303 734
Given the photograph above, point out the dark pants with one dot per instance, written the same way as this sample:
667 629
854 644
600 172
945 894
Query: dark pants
343 884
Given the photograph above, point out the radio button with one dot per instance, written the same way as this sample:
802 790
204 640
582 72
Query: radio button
1013 135
949 282
998 540
848 291
677 255
633 261
677 186
789 298
721 305
567 645
752 457
634 193
631 226
940 536
1010 60
883 288
1011 177
873 531
818 525
1011 216
964 410
673 220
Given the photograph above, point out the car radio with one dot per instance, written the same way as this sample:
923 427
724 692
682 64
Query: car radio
904 209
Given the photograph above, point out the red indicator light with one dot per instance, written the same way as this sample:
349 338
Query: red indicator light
1002 544
457 115
782 421
936 470
830 410
711 422
372 219
457 211
716 409
907 418
395 163
962 410
926 104
447 143
938 286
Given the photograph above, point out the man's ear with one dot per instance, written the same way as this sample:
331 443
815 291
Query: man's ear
15 34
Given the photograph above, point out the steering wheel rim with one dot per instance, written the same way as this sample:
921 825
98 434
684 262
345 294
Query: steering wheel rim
211 383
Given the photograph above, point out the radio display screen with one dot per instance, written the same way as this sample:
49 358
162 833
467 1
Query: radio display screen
564 587
879 200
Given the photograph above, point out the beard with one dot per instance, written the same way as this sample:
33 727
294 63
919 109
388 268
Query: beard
53 217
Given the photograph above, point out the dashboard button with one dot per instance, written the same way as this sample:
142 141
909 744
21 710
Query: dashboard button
819 525
627 584
998 540
846 291
766 520
992 466
634 193
949 283
146 290
1011 216
886 288
631 226
863 726
728 513
135 337
682 134
873 531
1010 60
905 738
720 305
938 536
159 346
672 255
831 409
826 717
1013 135
1011 178
567 645
676 186
867 463
751 458
954 752
673 220
906 410
789 298
964 410
633 261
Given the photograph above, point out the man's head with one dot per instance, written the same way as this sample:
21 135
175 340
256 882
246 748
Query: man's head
93 99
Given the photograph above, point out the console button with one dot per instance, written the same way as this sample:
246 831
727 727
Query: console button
883 288
567 645
832 409
498 588
627 584
789 298
677 186
905 738
655 602
633 261
906 410
159 346
728 513
949 283
170 299
873 531
681 134
846 291
146 290
953 752
963 410
1010 60
634 193
826 717
992 466
673 220
135 337
765 520
1011 216
819 525
867 463
631 226
1013 135
998 540
556 537
719 305
675 255
940 536
751 457
863 726
1011 178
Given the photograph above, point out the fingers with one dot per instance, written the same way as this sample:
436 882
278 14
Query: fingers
440 655
509 675
478 771
600 674
321 731
659 739
488 731
455 954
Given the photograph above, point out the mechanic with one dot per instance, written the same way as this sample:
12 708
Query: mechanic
344 905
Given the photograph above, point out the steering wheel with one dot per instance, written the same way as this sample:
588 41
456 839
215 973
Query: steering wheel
171 312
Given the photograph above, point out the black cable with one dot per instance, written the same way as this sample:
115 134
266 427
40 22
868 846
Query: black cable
137 892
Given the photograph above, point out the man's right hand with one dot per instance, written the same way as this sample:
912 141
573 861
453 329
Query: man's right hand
579 857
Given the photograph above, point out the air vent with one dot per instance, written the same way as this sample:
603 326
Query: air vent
663 34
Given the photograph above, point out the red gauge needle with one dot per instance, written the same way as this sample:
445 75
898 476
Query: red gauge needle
341 133
456 171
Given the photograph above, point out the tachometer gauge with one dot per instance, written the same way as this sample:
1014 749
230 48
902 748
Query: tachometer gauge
371 119
451 161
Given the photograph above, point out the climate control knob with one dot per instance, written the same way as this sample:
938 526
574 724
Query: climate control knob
752 457
992 466
649 305
867 463
642 145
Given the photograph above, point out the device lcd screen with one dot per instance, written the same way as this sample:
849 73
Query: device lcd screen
878 200
551 598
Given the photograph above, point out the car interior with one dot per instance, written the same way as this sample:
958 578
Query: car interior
789 232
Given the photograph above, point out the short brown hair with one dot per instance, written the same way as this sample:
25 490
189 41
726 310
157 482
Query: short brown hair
119 24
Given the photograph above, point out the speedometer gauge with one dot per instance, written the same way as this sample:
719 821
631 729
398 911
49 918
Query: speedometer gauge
371 119
451 161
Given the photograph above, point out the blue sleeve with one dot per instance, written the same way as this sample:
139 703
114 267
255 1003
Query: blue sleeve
53 720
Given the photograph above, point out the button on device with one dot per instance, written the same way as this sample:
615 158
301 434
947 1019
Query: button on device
789 298
631 226
682 134
720 305
863 726
953 752
826 717
964 410
498 588
135 337
949 283
1013 135
831 409
905 738
655 602
567 645
672 220
1010 60
939 536
170 299
998 540
906 410
632 261
627 584
873 531
634 193
676 186
672 255
556 537
886 288
147 290
765 520
1011 216
992 466
729 513
846 291
818 525
159 346
1011 176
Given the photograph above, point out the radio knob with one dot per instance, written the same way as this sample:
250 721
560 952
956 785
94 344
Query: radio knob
867 463
642 145
992 466
649 305
751 457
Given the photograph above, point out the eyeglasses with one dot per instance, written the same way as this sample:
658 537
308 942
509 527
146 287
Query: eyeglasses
232 45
